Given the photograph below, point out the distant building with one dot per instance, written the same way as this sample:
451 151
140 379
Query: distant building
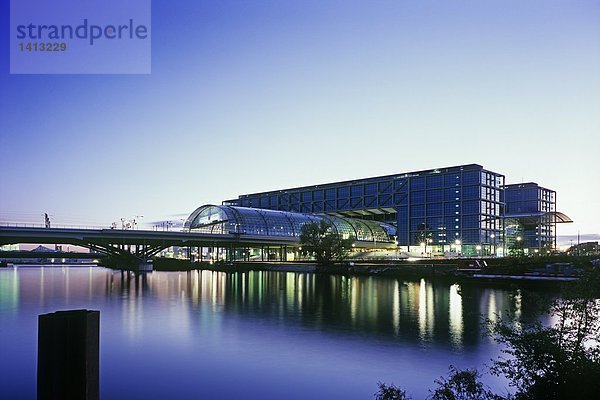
584 249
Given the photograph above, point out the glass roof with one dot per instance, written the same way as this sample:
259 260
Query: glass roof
256 221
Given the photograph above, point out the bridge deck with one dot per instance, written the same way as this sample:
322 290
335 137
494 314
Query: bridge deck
13 235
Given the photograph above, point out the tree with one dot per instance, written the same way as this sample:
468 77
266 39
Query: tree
462 385
424 235
390 392
320 240
559 361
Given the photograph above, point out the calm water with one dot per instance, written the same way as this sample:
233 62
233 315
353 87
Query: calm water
258 335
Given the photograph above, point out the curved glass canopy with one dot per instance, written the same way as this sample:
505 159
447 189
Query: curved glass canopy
256 221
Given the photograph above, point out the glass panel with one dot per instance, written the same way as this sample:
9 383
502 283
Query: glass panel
356 190
434 195
417 183
417 197
435 181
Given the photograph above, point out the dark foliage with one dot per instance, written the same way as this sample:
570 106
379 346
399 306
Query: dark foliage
557 362
390 392
319 239
462 385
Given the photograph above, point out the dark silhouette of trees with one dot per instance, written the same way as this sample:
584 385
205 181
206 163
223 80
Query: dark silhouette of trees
560 361
462 385
390 392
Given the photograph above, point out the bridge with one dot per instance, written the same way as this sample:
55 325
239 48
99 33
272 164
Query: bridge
140 245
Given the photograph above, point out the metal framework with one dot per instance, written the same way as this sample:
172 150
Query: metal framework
444 206
242 221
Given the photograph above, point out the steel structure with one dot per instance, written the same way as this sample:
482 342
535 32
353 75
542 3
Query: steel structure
269 223
454 209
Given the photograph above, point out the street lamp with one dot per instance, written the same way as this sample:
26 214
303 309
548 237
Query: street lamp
478 248
493 237
457 243
135 220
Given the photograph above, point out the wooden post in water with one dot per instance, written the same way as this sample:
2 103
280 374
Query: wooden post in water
68 355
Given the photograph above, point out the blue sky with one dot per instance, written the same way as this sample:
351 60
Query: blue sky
248 96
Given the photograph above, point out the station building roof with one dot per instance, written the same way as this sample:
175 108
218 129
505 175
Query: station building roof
226 219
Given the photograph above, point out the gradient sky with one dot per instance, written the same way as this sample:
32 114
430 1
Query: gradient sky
249 96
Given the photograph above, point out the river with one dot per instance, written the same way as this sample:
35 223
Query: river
257 335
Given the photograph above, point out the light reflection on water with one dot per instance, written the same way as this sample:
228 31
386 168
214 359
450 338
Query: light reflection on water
325 336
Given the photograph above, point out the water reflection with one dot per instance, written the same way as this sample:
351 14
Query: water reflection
422 311
9 292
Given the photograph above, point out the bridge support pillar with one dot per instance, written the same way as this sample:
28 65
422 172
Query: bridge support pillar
145 267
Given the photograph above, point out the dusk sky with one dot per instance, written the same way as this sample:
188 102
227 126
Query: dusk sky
249 96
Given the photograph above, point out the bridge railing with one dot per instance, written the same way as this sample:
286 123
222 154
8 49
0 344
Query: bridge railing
64 226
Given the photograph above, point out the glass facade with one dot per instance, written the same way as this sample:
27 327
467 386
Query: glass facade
456 209
270 223
530 218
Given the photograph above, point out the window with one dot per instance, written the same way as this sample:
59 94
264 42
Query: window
471 207
452 194
385 200
435 223
452 179
434 195
471 222
434 209
342 204
471 177
318 206
273 201
385 187
284 201
417 210
400 198
435 181
356 202
450 208
400 184
417 183
370 201
306 197
471 192
371 189
356 190
471 236
417 197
